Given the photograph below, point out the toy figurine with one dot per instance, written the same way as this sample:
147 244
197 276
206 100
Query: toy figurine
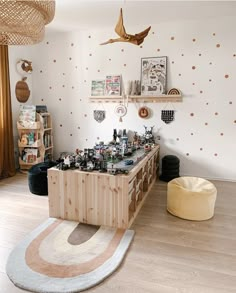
114 135
148 136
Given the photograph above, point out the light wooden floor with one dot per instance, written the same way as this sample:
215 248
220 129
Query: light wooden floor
167 255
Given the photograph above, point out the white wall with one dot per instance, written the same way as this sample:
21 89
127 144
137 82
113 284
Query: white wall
203 134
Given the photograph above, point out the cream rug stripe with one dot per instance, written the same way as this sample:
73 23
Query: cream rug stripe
26 278
57 242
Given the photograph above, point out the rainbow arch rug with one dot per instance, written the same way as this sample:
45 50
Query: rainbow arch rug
65 256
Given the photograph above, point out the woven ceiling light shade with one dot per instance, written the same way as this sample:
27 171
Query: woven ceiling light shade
23 22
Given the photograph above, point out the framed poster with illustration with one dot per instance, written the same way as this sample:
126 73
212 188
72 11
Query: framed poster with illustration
153 76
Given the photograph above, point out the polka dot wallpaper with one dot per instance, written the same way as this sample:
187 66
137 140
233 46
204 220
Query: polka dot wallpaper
201 63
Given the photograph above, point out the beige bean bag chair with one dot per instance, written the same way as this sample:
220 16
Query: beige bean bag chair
191 198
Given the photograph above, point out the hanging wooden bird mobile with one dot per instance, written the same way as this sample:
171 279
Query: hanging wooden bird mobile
136 39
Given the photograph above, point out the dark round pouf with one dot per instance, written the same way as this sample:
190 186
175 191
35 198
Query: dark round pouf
170 168
37 178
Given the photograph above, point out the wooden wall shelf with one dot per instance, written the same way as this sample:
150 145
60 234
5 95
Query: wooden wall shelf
137 99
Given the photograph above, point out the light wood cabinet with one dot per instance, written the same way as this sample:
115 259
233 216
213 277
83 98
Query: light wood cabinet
100 198
35 142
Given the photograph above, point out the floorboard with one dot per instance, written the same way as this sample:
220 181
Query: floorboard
168 254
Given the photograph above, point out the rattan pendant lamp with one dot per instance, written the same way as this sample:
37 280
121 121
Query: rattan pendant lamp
23 22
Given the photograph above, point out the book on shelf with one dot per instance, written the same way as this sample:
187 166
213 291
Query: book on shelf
45 121
47 140
27 115
29 155
28 138
113 85
98 88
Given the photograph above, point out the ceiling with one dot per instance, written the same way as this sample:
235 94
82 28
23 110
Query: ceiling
74 15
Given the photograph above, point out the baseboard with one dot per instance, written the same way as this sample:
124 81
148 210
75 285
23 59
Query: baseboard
211 178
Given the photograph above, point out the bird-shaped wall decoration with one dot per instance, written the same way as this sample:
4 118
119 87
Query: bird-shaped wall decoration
136 39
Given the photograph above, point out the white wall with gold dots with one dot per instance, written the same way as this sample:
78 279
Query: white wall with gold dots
201 63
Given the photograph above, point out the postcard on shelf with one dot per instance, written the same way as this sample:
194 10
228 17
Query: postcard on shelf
98 88
113 85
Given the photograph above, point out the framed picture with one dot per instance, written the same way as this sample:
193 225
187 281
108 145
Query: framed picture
98 88
113 85
153 76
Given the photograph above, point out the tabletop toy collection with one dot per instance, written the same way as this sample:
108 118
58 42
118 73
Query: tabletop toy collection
116 157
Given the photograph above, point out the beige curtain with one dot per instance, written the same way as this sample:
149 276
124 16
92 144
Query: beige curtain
7 161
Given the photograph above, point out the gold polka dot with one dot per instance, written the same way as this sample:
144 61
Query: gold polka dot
194 40
187 154
192 114
201 149
72 44
216 113
213 34
172 38
193 67
54 60
206 123
158 50
217 45
226 76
